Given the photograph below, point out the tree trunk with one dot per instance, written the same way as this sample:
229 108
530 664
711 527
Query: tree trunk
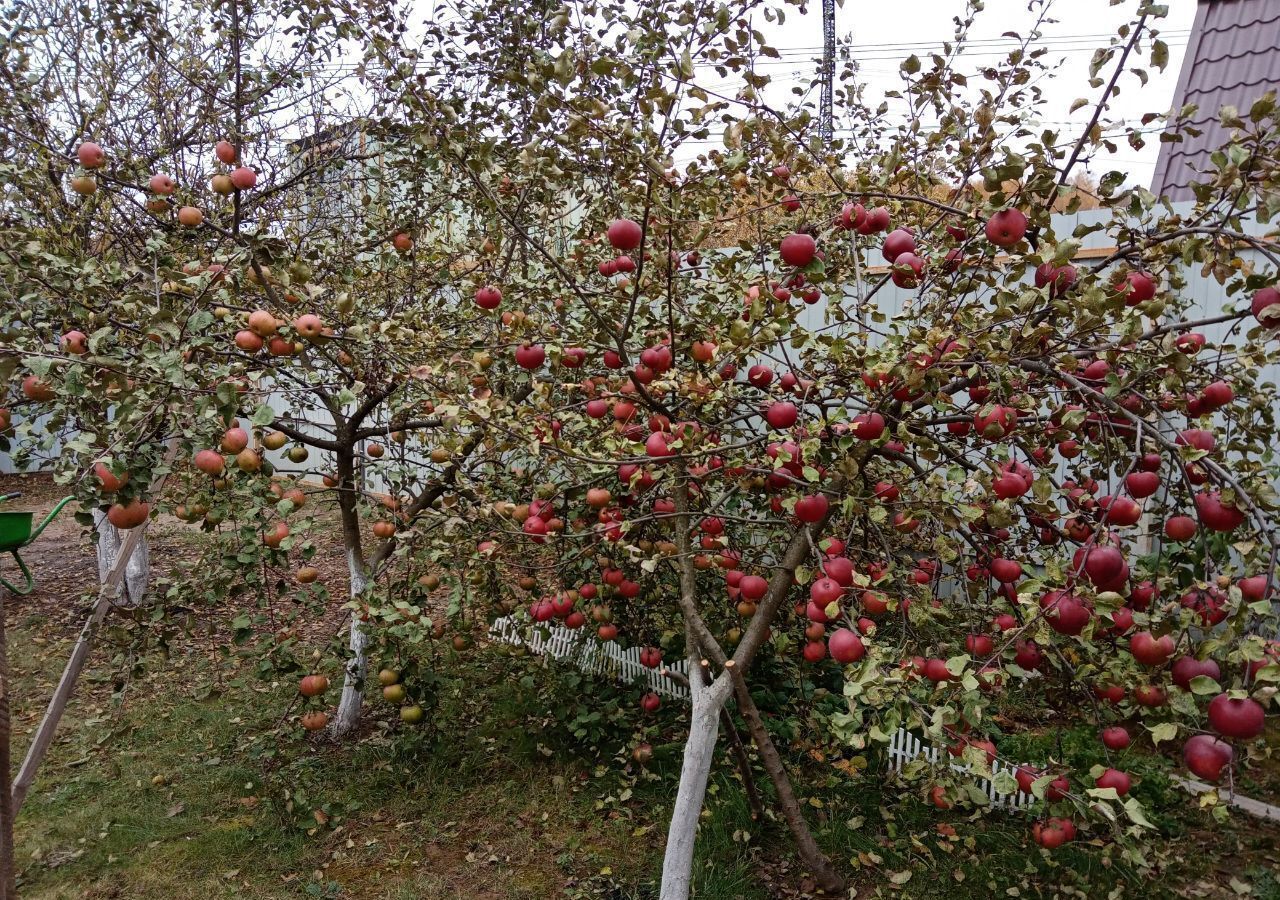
699 754
137 573
348 717
810 853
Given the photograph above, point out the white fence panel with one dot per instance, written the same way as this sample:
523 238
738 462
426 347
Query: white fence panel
598 657
592 655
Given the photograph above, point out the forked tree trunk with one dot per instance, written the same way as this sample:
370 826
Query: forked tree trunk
348 717
699 754
137 573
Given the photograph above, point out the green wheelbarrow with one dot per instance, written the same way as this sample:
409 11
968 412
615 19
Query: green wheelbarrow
16 533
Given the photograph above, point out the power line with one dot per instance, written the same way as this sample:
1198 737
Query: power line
1068 43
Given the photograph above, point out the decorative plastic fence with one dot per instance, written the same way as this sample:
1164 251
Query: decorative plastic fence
609 660
905 746
591 655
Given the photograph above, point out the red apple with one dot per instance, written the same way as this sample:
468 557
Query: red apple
1188 667
760 376
1006 571
488 297
1142 484
898 242
1215 514
782 415
845 646
162 185
624 234
1149 650
868 426
1138 287
1180 528
798 249
1114 778
812 508
210 462
907 270
90 155
1264 306
128 515
75 342
1006 228
1115 737
1243 719
530 356
243 178
1206 756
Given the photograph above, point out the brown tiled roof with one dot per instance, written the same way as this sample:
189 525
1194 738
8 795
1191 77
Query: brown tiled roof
1232 59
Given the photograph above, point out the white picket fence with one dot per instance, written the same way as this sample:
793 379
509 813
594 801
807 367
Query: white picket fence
905 746
607 659
604 658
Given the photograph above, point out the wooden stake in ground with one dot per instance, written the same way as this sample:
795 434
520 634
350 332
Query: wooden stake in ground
110 591
8 887
11 797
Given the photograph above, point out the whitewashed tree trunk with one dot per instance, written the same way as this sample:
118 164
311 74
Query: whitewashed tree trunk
348 716
699 754
137 573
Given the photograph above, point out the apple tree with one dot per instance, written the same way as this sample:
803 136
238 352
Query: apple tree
528 347
1038 471
227 266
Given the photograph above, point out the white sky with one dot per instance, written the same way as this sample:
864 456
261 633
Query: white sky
883 33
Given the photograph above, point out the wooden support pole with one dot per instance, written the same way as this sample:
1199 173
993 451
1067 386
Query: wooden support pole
109 592
62 694
8 885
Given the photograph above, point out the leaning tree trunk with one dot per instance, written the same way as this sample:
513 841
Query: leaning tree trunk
810 853
699 754
137 573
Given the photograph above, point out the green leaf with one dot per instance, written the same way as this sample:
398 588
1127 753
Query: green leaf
686 64
263 415
1004 782
1266 673
1203 684
1159 54
1133 809
1165 731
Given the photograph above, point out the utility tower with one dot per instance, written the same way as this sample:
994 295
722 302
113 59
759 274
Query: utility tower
825 125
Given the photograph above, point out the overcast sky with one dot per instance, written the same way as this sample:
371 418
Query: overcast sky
883 33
